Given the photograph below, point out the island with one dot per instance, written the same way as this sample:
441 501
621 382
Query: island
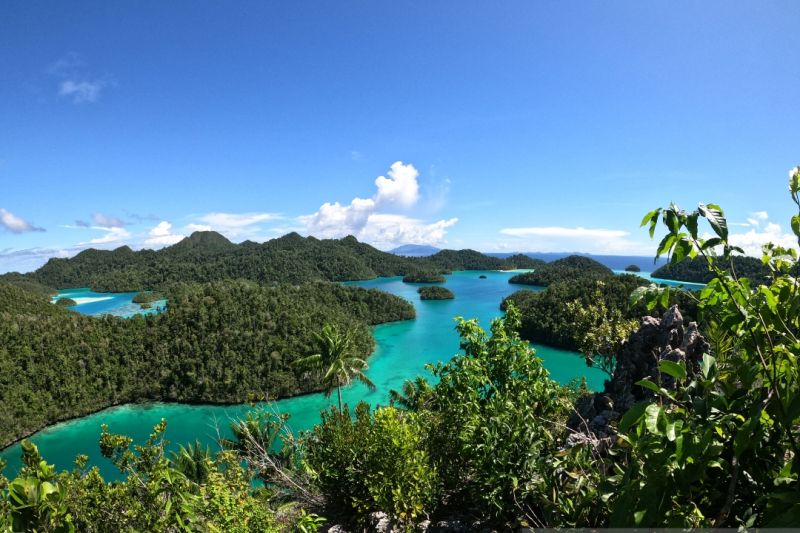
632 268
66 302
435 293
424 277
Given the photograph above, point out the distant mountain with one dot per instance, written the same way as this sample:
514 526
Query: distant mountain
414 250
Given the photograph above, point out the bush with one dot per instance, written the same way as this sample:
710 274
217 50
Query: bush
373 462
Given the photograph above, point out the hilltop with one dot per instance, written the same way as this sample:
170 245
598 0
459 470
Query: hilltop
207 256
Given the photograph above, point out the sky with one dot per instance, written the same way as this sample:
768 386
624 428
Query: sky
544 126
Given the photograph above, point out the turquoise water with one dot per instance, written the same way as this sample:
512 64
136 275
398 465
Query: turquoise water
108 303
688 285
403 349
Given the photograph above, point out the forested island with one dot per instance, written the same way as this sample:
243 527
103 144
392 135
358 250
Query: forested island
221 342
208 256
435 293
566 269
424 277
696 271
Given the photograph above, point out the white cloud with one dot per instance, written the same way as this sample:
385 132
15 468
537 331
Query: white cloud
113 235
81 91
401 187
372 220
385 230
235 226
751 241
760 215
15 224
198 227
563 239
161 235
107 221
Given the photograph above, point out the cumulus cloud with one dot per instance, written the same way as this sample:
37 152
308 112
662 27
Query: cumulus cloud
563 239
401 187
161 235
375 219
16 224
752 240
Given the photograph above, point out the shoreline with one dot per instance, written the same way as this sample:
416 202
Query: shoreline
147 402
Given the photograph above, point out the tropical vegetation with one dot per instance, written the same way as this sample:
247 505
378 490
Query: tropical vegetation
221 342
707 438
435 293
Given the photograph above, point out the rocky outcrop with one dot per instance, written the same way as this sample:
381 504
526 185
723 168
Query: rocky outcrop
655 340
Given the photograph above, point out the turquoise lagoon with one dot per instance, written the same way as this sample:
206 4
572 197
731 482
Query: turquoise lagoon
108 303
403 349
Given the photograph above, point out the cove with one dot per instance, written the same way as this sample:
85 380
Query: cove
402 351
107 303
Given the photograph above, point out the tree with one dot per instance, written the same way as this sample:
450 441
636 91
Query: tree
336 358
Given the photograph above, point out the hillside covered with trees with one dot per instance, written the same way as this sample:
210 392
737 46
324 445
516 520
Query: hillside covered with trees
220 342
208 256
696 270
566 269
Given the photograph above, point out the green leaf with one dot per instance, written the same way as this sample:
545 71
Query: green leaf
691 224
707 365
651 416
632 416
647 384
713 213
665 245
744 437
796 225
711 243
677 371
683 248
650 216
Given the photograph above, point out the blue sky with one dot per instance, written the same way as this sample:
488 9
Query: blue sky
535 126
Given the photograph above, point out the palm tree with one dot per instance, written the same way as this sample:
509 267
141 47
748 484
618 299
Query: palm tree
335 357
415 395
194 461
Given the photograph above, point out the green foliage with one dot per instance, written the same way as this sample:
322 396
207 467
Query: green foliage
435 293
696 270
336 361
551 316
722 449
208 256
147 297
369 462
221 342
496 420
600 331
424 277
564 270
65 302
155 494
520 261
